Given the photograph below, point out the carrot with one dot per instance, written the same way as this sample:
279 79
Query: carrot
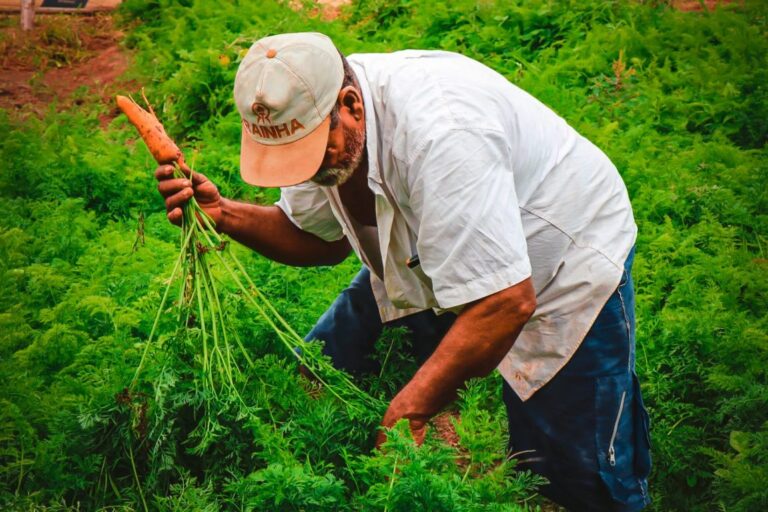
163 149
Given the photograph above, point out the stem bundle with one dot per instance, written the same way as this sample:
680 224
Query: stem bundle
200 303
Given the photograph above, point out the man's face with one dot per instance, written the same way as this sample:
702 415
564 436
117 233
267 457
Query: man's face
338 166
346 146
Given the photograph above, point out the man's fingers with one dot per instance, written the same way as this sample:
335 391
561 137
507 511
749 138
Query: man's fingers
175 216
167 171
164 172
170 187
418 432
198 178
178 191
178 199
381 438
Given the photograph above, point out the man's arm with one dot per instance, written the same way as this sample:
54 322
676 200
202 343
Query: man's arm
265 229
479 339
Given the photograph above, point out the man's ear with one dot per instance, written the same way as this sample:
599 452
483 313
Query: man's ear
351 98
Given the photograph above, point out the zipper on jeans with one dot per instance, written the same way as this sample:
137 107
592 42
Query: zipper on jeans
611 450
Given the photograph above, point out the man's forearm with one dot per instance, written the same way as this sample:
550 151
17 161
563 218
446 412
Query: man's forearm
476 343
267 230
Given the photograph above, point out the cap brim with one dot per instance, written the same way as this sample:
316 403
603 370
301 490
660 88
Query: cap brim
285 164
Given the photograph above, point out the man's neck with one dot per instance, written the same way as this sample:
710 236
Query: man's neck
357 197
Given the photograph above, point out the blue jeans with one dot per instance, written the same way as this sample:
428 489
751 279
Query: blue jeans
586 430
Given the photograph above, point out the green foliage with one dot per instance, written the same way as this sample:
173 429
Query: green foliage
294 488
743 471
677 100
188 495
404 477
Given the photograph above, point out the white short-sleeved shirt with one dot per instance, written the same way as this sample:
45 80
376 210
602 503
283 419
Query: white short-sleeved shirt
488 187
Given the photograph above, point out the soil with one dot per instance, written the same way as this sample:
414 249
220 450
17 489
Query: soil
443 425
327 9
65 60
70 59
698 5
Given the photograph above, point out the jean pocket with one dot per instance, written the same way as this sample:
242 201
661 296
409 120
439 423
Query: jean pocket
620 439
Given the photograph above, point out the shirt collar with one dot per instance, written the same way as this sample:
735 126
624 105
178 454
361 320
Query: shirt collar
371 127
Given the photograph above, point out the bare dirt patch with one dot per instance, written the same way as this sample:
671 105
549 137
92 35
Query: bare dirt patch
443 424
327 9
698 5
65 59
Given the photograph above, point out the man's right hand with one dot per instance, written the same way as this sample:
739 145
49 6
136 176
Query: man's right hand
177 191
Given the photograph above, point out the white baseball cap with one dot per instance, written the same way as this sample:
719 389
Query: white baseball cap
285 89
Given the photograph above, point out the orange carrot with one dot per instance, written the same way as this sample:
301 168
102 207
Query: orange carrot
163 149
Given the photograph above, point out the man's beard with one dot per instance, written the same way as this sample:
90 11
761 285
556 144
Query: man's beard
354 148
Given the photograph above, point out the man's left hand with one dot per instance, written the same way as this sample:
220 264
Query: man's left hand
397 411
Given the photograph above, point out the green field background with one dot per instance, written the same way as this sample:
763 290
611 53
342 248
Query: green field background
678 100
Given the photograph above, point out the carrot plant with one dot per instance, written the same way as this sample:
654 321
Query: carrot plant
199 303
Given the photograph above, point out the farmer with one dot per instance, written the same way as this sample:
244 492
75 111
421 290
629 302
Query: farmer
486 225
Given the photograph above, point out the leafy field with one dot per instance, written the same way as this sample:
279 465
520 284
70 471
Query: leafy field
678 100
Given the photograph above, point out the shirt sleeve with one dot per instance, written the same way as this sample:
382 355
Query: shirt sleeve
308 207
470 239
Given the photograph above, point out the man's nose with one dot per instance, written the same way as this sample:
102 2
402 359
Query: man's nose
331 155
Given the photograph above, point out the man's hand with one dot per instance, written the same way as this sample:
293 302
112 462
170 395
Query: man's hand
479 339
177 191
397 411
